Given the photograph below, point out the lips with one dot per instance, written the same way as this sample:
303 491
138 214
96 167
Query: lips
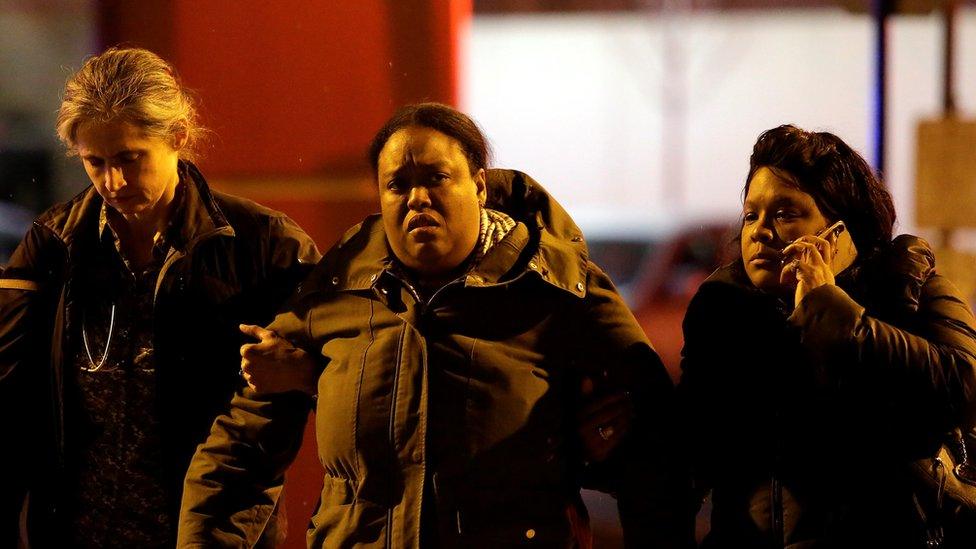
121 197
767 259
421 221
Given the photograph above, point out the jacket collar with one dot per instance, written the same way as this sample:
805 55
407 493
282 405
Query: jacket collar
201 216
562 257
363 258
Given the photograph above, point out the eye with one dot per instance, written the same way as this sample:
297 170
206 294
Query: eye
128 158
95 162
394 185
787 215
749 217
439 177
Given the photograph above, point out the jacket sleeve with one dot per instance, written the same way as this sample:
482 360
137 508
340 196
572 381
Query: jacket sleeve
645 471
26 312
713 330
932 359
290 257
236 476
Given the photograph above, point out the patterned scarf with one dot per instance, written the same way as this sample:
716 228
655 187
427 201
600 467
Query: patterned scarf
495 226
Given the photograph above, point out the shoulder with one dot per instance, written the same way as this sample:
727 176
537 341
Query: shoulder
64 217
724 284
247 216
353 260
891 282
239 209
728 300
44 246
907 255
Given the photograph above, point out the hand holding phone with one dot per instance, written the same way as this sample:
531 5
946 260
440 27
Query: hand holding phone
811 262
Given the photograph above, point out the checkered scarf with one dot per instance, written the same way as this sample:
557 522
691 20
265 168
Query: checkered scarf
495 226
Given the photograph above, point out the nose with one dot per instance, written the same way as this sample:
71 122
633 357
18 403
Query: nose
114 179
762 232
419 198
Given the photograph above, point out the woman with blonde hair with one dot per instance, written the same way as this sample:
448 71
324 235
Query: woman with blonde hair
119 314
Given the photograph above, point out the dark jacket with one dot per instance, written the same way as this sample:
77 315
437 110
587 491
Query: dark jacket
465 402
804 422
235 262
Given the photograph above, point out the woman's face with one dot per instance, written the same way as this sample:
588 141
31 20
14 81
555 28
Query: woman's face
774 214
429 199
134 173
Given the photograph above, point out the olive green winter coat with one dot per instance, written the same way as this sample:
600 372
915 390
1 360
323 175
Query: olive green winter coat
468 399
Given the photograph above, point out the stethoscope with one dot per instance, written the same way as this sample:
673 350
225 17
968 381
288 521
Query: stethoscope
108 341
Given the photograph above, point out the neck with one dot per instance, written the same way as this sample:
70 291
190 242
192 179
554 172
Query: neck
137 232
153 220
431 282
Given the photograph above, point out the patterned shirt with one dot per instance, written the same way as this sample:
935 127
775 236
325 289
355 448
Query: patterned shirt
122 495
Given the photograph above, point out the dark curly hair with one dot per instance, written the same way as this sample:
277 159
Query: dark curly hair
840 181
436 116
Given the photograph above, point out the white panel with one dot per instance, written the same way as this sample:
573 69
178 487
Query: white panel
648 119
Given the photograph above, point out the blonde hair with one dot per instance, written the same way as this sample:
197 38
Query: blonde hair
133 85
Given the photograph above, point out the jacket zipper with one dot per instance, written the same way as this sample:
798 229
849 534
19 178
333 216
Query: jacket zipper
422 308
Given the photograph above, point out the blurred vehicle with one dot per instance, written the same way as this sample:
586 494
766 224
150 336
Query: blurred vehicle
14 221
658 272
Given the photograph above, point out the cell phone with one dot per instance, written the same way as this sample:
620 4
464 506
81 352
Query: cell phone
836 228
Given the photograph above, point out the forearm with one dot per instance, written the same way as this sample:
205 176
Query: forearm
937 356
235 477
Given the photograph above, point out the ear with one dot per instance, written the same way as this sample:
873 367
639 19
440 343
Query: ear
481 186
180 139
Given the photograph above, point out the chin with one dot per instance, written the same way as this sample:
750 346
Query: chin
766 281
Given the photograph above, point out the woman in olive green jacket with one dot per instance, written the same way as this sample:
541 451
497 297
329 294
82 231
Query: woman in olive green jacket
453 340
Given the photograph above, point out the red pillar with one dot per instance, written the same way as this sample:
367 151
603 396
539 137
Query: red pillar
297 87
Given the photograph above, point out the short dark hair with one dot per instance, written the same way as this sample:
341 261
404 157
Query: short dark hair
840 181
436 116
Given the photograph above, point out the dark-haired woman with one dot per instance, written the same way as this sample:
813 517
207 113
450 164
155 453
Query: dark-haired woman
825 361
453 340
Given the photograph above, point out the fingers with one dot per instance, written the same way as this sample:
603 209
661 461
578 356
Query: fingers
270 342
603 423
246 373
254 350
257 332
601 435
809 243
809 265
804 258
607 404
586 386
608 416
